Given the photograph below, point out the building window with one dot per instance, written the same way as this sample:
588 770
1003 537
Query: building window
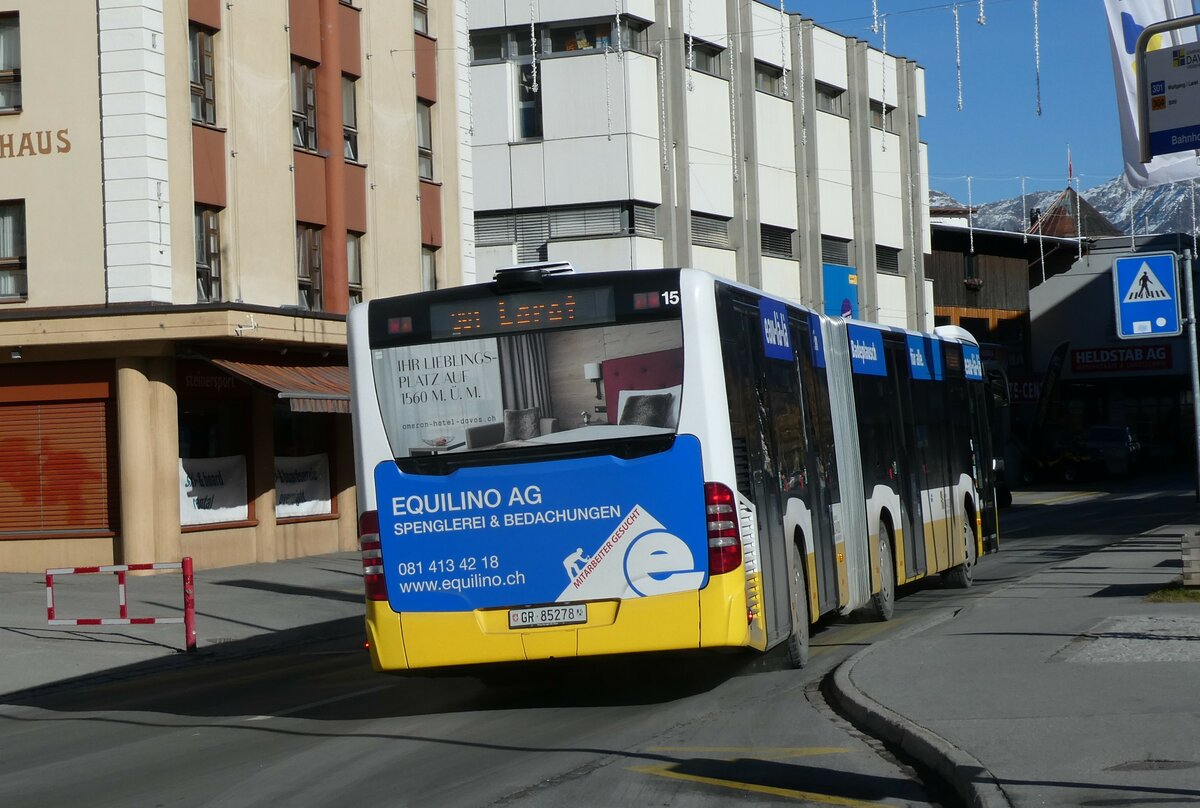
776 241
425 140
304 105
883 117
349 119
635 35
204 105
214 455
208 255
354 266
10 63
13 282
566 38
529 106
709 231
488 46
831 99
768 79
428 269
707 59
308 267
421 16
302 468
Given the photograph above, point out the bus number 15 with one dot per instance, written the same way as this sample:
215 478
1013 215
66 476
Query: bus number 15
671 298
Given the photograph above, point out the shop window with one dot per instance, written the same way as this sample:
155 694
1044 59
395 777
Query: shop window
425 140
10 63
571 38
421 16
13 281
529 105
349 120
308 267
304 105
208 255
213 460
354 266
302 466
200 45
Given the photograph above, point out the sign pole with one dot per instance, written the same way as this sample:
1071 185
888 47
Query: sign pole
1195 366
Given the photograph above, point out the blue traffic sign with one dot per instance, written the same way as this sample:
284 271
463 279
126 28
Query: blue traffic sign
1146 296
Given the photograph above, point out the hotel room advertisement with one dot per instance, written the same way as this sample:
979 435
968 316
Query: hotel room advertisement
544 532
431 394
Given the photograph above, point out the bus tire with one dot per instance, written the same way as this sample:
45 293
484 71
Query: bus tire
883 602
962 576
797 643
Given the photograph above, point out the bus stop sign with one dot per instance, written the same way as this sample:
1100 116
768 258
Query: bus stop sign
1146 296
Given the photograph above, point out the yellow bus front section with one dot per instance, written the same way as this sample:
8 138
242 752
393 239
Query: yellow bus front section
713 617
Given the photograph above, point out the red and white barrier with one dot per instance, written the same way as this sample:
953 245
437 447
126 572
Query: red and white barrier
189 598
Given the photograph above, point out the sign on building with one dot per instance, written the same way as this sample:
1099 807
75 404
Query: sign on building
1146 296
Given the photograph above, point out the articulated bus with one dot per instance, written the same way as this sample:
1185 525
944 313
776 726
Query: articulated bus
560 464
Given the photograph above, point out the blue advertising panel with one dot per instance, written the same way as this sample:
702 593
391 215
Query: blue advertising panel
546 532
918 358
972 363
1146 296
841 290
817 340
773 323
866 350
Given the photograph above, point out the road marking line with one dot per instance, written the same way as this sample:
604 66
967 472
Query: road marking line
758 751
664 770
316 704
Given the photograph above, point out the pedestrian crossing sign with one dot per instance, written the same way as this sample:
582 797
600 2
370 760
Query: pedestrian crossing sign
1146 296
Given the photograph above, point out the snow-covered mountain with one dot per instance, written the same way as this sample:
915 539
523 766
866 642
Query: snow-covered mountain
1165 209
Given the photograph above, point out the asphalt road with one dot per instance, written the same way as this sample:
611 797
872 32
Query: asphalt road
318 727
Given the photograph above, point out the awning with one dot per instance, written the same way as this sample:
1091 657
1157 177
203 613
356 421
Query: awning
307 386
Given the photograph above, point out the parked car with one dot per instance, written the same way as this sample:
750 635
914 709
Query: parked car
1057 459
1116 449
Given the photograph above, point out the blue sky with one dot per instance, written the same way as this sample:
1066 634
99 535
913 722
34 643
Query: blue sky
998 136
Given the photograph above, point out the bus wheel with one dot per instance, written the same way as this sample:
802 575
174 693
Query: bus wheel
963 575
797 643
884 601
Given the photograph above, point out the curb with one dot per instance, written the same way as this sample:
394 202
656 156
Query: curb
969 778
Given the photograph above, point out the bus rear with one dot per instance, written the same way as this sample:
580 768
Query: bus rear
529 486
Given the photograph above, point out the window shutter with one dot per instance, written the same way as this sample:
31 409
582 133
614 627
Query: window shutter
54 468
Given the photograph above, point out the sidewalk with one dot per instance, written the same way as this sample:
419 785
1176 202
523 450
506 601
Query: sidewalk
1065 688
239 610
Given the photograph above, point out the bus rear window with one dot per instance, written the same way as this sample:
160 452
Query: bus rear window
531 390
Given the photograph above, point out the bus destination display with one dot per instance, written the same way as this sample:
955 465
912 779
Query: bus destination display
521 311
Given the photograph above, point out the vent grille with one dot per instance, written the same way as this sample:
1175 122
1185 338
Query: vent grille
710 231
887 259
776 241
835 251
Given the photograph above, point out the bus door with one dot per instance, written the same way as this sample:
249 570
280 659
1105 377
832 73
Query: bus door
932 430
819 458
756 385
908 464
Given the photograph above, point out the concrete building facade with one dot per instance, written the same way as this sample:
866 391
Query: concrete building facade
729 136
192 194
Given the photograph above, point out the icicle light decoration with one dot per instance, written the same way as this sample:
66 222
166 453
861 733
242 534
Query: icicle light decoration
912 228
970 216
533 87
1037 56
982 18
883 90
958 57
874 16
470 89
733 134
1192 187
662 102
1024 215
1078 222
691 51
1132 223
608 91
621 34
783 60
803 86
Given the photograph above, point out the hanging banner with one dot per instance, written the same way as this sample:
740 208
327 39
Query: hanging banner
212 489
1126 20
302 486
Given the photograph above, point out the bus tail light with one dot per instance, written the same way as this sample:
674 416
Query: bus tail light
724 539
372 555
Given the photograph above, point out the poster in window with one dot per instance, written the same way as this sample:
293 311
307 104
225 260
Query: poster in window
302 486
212 490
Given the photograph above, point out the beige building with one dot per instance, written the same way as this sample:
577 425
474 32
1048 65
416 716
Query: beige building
192 194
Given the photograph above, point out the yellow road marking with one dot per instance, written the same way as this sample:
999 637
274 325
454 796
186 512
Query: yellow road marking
757 751
664 770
